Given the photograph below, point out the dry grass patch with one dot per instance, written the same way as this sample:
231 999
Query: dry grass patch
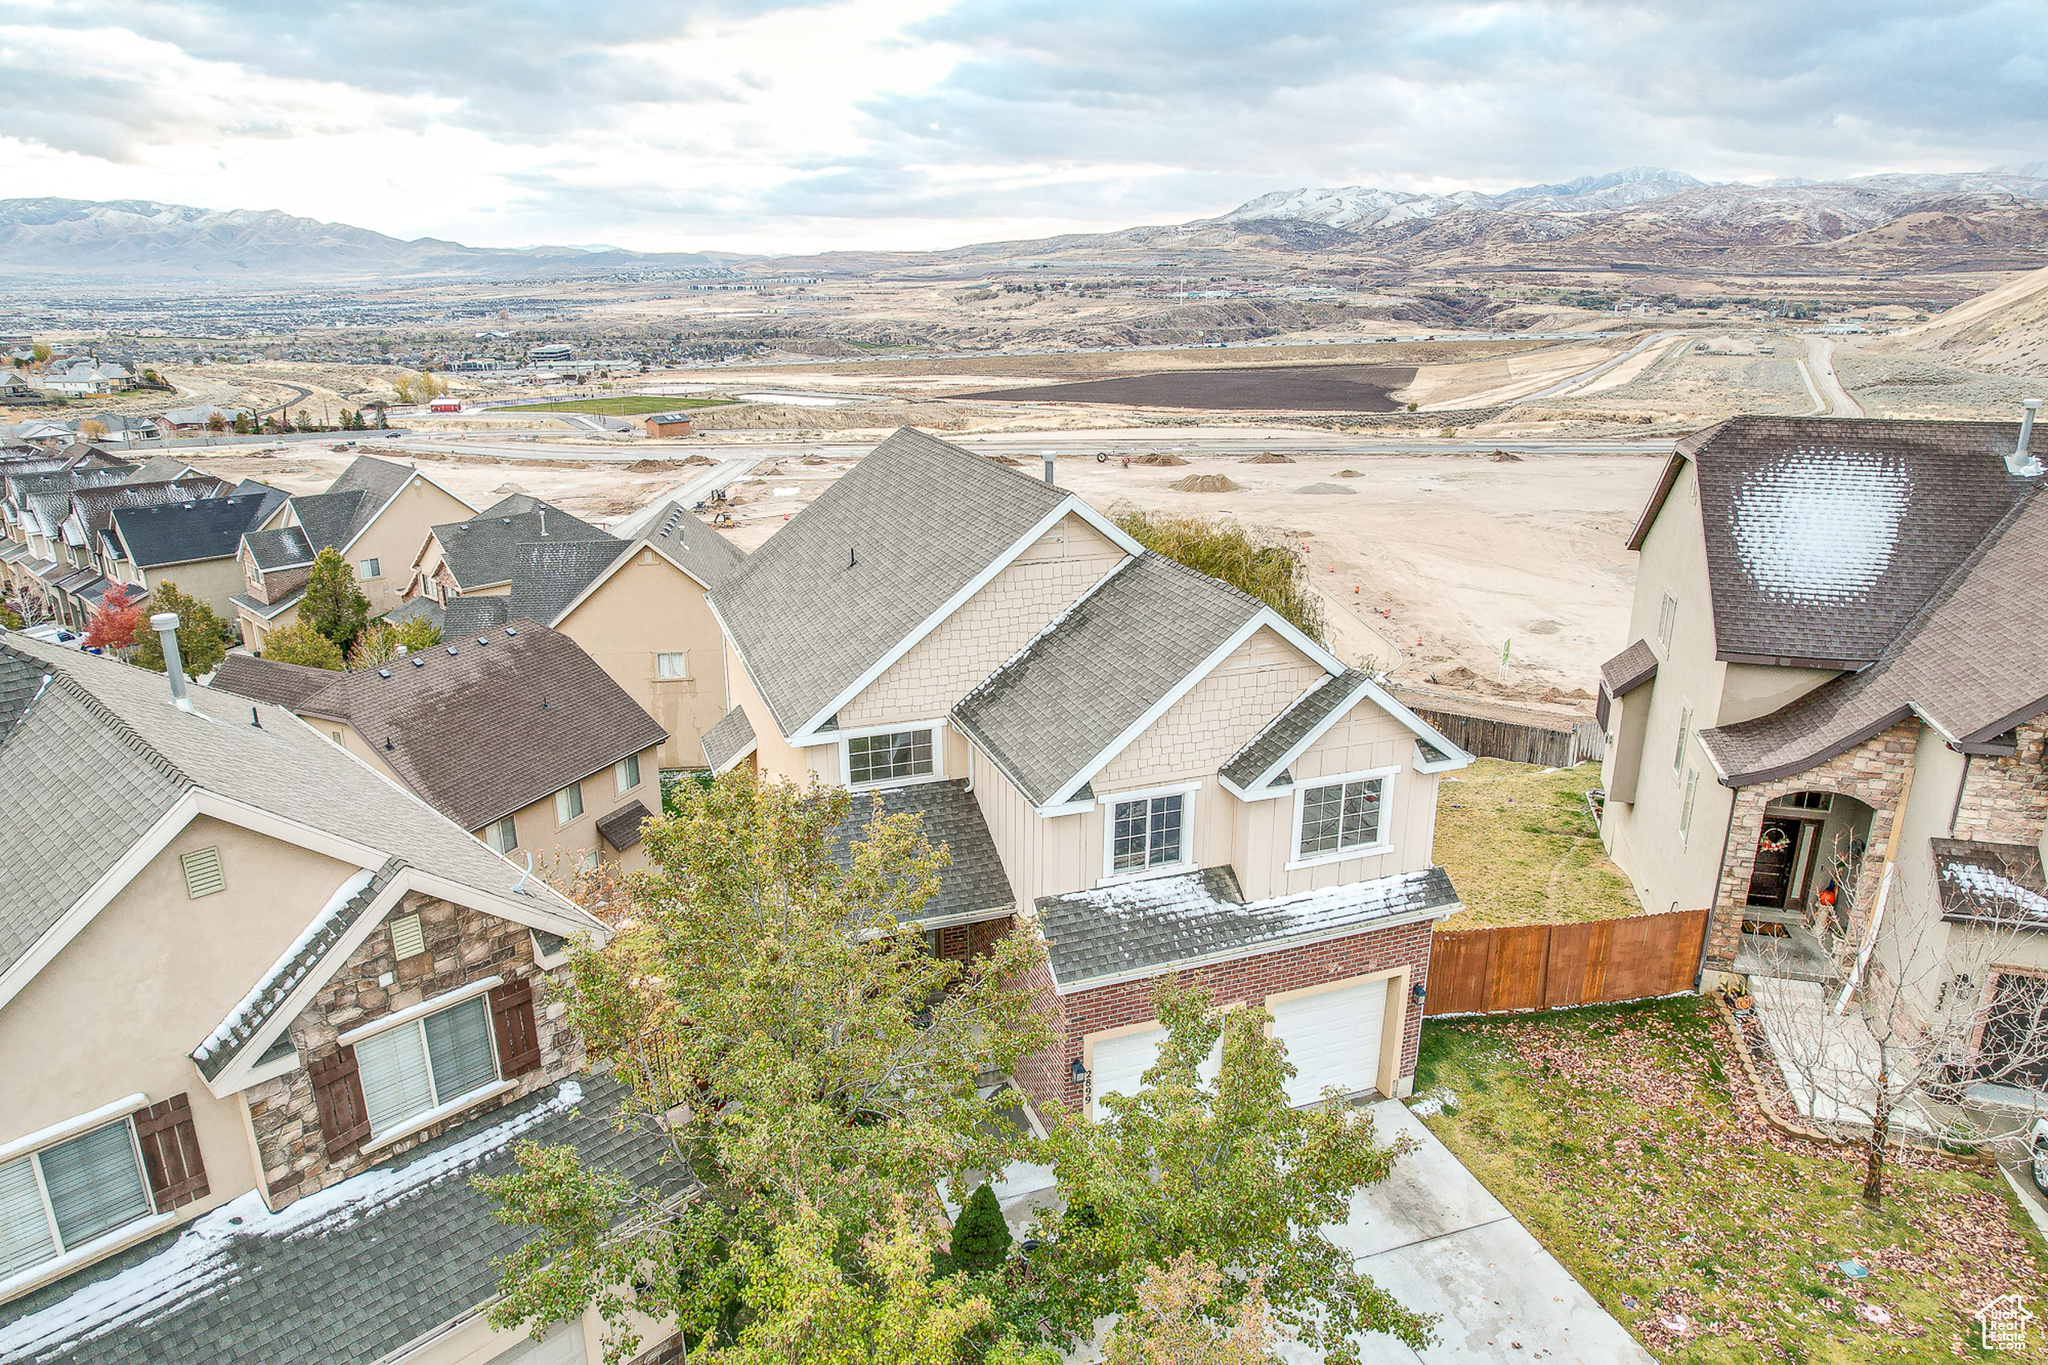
1522 848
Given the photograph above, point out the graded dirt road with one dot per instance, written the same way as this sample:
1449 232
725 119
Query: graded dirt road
1305 388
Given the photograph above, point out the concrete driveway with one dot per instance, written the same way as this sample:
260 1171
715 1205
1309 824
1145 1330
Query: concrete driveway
1432 1236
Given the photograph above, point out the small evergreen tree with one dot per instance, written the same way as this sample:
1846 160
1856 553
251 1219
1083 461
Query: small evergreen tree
203 637
981 1239
299 643
333 605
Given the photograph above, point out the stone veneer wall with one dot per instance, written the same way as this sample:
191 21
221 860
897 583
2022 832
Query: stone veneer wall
463 945
2005 800
1872 773
1047 1076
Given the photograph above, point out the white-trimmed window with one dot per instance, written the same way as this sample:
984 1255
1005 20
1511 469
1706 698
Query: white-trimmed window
1667 621
68 1194
427 1063
1692 782
626 773
502 835
568 803
1344 817
1684 730
672 665
370 568
899 756
1148 832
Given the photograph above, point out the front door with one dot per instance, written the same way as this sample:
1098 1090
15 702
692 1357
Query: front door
1777 844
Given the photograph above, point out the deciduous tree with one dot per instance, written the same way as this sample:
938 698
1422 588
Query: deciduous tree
299 643
1250 561
1180 1319
203 637
114 621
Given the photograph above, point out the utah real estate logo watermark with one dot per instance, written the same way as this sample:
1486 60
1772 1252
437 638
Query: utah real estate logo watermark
2004 1323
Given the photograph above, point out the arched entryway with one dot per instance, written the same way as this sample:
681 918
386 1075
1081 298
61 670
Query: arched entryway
1809 851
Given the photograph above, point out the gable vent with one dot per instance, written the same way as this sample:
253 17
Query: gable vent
407 938
203 875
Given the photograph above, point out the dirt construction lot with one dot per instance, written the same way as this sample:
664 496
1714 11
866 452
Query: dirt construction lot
1307 388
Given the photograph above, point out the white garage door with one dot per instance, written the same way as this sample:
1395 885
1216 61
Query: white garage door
1333 1038
1121 1064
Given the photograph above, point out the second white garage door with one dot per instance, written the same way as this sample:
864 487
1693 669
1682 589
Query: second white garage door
1121 1063
1333 1038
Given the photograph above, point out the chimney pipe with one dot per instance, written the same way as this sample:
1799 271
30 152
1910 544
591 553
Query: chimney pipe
2022 461
1047 457
165 624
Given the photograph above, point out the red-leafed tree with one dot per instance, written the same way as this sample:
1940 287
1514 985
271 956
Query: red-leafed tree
114 621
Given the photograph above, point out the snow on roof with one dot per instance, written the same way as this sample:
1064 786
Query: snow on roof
1818 527
286 972
1992 894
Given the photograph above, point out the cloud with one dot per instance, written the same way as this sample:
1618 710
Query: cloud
757 123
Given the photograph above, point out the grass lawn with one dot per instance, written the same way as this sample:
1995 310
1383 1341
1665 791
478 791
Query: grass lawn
1612 1133
1522 848
631 405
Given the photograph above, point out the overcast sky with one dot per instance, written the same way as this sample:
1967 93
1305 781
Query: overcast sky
756 125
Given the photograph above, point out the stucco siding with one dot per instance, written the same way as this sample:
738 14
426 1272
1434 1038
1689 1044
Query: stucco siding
393 539
650 607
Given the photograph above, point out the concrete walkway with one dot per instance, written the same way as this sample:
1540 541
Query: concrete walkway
1432 1236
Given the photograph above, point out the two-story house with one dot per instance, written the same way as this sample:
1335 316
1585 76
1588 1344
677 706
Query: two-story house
192 544
1154 771
636 606
374 515
264 1015
1833 705
514 733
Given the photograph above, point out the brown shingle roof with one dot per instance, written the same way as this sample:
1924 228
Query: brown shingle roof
1973 664
1630 669
621 829
480 730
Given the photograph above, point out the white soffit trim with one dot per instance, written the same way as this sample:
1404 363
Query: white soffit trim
1072 504
1316 732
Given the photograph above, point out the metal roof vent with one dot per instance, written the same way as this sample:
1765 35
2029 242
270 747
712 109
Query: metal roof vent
385 674
418 662
510 633
2023 462
451 651
479 639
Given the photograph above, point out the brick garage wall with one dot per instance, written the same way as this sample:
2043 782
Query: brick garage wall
2005 800
463 945
961 942
1872 773
1047 1077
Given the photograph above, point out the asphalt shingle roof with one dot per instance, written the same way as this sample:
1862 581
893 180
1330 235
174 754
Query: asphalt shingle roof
1990 883
476 730
95 507
730 739
474 615
1087 677
702 553
1973 664
284 548
877 554
489 548
1825 535
1270 745
553 573
975 879
1144 927
621 829
338 515
353 1273
180 532
1630 669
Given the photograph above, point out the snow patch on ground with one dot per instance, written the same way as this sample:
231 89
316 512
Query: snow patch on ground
1433 1102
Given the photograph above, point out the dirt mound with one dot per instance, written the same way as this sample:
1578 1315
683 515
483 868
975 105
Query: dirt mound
653 466
1160 458
1269 457
1349 474
1506 457
1204 483
1005 459
1326 488
698 460
507 488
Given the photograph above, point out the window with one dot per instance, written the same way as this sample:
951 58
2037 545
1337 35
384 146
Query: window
671 666
1146 833
626 772
1667 620
370 568
1692 782
568 803
1684 729
62 1197
886 758
421 1065
502 836
1808 800
1342 816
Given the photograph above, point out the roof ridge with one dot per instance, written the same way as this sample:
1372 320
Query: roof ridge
58 676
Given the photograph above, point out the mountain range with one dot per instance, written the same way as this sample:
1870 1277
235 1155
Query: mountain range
1642 213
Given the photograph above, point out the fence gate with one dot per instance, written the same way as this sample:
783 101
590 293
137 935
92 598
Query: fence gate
1542 966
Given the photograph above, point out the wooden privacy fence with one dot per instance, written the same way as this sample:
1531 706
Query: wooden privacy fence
1517 743
1543 966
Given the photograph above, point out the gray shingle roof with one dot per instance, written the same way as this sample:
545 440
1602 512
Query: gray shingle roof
489 548
553 573
700 551
621 829
1630 669
284 548
477 730
178 533
268 610
337 516
1824 535
353 1273
1096 669
975 880
1973 664
95 507
1989 883
1268 747
474 615
107 727
288 685
877 554
326 517
729 740
1145 927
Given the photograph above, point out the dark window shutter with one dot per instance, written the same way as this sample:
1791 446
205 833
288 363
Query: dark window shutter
518 1039
170 1153
344 1117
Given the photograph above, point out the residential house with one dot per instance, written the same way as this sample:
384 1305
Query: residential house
375 514
87 541
192 544
637 606
15 387
116 429
1154 771
196 420
513 733
265 1015
1833 698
